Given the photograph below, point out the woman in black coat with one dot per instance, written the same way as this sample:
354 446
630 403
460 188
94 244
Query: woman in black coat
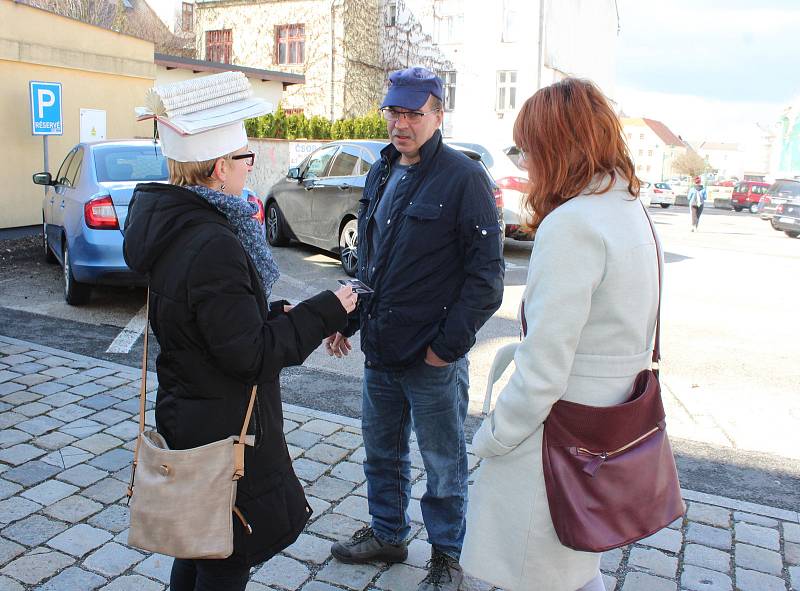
210 273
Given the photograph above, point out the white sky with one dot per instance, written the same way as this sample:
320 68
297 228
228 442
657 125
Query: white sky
709 69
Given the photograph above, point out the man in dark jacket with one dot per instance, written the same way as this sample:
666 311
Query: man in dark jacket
431 249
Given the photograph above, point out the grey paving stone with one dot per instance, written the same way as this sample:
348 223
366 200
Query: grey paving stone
112 559
17 359
48 388
98 401
760 559
330 489
706 535
110 416
706 557
70 412
294 451
666 539
100 371
318 506
609 582
113 460
54 440
352 576
49 491
359 456
792 553
695 578
344 439
39 425
654 562
791 532
757 535
418 488
794 577
400 577
10 418
283 572
30 379
126 430
58 372
33 409
6 375
7 388
79 539
31 473
304 439
716 516
8 488
16 508
355 507
327 454
337 527
317 586
310 548
75 379
7 584
4 406
20 453
321 427
610 560
82 428
750 580
123 393
106 491
73 509
114 519
10 437
155 566
82 475
37 565
133 583
73 578
635 581
67 457
34 530
756 519
9 550
8 349
98 443
111 381
309 470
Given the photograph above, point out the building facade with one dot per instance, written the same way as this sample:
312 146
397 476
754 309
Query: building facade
653 146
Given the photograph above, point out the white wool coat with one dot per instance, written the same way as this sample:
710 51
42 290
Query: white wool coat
590 303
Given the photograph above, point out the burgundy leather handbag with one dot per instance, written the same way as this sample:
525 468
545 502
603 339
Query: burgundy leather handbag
609 471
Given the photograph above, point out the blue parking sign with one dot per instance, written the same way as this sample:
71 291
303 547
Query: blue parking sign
46 116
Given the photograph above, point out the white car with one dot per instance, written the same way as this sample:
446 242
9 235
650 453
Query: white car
662 194
510 178
645 190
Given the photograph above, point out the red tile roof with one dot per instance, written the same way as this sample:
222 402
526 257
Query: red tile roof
663 132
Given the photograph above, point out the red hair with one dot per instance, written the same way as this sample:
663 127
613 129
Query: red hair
570 134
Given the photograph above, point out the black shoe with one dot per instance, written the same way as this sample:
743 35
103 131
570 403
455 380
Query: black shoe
364 546
444 573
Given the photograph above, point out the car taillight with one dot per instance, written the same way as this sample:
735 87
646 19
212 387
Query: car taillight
517 183
657 191
498 197
259 215
779 209
99 213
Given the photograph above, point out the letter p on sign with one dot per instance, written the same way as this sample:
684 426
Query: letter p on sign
47 98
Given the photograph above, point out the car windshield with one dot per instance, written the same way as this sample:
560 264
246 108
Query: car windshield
129 163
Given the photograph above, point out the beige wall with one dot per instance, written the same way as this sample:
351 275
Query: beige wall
269 90
98 69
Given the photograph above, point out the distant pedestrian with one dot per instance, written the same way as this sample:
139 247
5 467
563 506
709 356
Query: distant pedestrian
590 303
697 197
431 247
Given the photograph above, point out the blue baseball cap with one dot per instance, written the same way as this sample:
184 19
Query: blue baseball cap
410 88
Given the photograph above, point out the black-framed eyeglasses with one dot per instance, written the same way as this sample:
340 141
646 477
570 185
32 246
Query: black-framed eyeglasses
249 156
411 116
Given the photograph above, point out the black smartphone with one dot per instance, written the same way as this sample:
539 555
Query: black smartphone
359 287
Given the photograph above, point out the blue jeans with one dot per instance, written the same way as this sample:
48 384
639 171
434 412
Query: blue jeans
434 400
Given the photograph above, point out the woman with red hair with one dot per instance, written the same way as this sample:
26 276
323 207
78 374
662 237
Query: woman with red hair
590 307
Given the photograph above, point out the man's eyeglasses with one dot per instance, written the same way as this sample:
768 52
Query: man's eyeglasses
411 116
249 156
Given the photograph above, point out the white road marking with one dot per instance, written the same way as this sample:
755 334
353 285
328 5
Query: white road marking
130 334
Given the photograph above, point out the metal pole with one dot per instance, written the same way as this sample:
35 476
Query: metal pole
46 163
540 61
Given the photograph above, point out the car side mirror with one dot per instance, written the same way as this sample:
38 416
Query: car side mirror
294 173
43 178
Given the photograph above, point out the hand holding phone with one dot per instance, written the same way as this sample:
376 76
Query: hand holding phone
359 287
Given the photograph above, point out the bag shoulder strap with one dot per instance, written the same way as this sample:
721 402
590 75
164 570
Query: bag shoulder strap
657 343
242 439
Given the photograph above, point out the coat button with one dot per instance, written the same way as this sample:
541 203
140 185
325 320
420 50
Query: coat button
483 232
369 316
369 363
164 469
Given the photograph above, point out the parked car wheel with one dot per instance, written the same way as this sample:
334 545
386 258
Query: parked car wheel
348 243
791 234
754 208
665 205
738 208
276 234
772 223
75 293
49 257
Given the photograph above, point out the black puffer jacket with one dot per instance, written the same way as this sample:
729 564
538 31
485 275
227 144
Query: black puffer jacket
209 314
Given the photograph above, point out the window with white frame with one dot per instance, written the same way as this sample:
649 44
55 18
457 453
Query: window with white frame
449 79
391 13
506 90
448 27
511 21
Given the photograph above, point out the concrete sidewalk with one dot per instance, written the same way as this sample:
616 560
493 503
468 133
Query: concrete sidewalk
67 427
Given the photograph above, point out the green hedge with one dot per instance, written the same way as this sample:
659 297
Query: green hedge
292 127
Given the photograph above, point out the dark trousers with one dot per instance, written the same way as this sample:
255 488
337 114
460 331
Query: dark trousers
207 575
696 212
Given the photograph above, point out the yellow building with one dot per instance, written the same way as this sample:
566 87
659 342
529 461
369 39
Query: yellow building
97 69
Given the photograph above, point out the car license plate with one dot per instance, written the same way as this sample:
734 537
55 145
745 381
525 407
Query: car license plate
787 220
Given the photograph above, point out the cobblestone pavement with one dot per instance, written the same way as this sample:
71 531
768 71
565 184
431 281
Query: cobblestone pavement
67 427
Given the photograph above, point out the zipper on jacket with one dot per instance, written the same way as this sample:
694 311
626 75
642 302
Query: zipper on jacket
601 456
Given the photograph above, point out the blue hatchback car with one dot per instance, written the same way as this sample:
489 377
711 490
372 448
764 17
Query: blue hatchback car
84 211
